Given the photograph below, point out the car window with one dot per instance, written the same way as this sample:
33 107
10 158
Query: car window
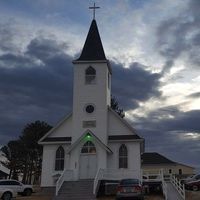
14 183
9 183
5 183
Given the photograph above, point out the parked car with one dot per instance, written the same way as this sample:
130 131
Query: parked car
191 178
7 194
17 187
193 185
131 188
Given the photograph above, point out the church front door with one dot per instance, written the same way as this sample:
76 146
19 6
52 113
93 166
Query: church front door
88 161
88 166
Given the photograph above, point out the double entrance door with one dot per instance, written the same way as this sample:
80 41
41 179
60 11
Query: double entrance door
88 166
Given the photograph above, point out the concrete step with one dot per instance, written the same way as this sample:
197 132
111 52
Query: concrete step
76 190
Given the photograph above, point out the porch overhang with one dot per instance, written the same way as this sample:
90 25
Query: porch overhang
96 139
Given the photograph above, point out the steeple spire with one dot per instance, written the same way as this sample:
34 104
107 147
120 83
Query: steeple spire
93 48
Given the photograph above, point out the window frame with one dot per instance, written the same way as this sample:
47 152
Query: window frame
90 76
60 159
123 157
89 146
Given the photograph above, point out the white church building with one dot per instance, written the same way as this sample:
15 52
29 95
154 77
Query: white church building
93 139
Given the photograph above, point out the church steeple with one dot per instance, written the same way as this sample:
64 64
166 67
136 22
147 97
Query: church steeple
93 48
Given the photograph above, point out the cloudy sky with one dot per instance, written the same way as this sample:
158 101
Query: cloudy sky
154 48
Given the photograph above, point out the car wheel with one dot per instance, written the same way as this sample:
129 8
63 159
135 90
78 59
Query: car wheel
195 188
27 192
7 196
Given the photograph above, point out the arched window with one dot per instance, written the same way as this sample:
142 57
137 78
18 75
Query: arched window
90 75
60 159
88 147
123 156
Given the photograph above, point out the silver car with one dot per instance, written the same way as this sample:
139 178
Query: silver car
17 186
130 188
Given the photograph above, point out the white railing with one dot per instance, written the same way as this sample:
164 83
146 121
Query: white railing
179 187
67 175
114 174
164 185
98 177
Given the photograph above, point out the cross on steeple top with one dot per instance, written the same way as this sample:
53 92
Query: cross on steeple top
94 9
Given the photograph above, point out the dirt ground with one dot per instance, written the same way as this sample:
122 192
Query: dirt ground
42 197
35 197
190 195
39 195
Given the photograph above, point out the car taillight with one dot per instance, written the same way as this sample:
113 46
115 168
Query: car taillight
138 188
119 189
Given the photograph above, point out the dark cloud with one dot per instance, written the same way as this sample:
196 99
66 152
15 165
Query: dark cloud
34 86
194 95
134 84
43 48
7 32
181 35
165 131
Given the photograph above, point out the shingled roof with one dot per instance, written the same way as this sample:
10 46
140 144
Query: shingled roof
123 137
93 48
155 158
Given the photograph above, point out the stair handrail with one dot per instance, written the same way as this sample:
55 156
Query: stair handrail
164 184
179 186
66 175
99 176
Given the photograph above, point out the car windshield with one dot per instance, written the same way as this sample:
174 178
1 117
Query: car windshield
129 182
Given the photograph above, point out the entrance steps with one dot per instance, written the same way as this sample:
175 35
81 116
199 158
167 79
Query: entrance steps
76 190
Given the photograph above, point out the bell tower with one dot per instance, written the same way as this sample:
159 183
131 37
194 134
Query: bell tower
92 88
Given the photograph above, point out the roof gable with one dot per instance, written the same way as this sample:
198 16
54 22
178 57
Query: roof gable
96 139
118 125
57 131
